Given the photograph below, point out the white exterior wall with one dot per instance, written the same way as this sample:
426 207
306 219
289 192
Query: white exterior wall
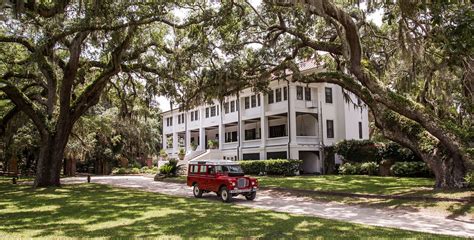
310 135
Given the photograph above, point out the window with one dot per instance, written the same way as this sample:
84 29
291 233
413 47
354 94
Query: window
254 101
285 93
231 136
247 102
299 92
328 93
213 111
194 168
270 97
232 106
169 121
307 94
251 134
276 155
181 118
226 107
258 100
217 110
196 115
192 116
202 169
207 112
278 95
277 131
360 130
330 128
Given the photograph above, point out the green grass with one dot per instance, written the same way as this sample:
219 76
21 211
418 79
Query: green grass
99 211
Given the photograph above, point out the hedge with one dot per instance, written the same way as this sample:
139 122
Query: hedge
271 167
410 169
368 168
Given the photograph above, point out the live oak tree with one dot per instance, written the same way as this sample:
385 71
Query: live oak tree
58 57
415 73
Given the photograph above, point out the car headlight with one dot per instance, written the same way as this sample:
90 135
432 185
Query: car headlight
233 184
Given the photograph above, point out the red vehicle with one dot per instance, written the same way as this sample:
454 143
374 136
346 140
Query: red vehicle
223 177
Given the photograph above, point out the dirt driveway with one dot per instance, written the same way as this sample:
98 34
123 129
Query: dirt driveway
300 205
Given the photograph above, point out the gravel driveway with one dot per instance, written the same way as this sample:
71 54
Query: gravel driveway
300 205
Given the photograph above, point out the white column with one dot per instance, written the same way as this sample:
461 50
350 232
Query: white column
292 119
263 127
241 136
175 143
202 138
188 140
221 133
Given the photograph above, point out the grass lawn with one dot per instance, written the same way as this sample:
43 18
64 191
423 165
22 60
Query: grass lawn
99 211
377 185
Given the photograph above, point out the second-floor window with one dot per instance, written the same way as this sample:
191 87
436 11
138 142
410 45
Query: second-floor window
328 94
231 136
285 93
360 130
169 121
207 112
213 111
232 106
181 118
253 101
194 116
299 92
271 97
226 107
247 102
251 134
278 95
307 94
330 128
277 131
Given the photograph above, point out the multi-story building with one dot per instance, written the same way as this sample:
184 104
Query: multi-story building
292 121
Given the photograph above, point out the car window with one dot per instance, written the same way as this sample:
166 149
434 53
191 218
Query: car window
229 168
202 169
211 170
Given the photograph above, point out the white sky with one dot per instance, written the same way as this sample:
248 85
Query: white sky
376 17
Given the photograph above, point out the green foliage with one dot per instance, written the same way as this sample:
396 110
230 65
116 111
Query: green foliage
395 152
163 153
369 168
410 169
166 169
350 169
356 151
285 167
469 178
213 143
255 167
143 170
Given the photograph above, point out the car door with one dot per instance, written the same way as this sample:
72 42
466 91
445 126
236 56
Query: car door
211 178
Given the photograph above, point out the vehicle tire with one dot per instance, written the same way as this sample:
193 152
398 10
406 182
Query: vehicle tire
225 195
196 191
251 196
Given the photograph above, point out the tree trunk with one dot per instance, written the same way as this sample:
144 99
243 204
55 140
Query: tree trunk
449 172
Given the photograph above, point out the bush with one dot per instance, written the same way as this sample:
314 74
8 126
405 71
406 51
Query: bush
254 167
357 151
166 169
369 168
469 178
397 153
410 169
350 169
271 167
135 171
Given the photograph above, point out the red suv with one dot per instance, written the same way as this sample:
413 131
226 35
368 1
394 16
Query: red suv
223 177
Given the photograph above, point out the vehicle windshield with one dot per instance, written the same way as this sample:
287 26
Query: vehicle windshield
229 169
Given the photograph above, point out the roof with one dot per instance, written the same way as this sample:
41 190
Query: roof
214 162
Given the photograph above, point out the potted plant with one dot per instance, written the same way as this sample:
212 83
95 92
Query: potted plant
213 143
181 154
163 154
193 146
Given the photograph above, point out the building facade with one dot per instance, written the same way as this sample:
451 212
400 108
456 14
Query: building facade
292 121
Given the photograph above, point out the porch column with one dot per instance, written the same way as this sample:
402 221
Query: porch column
188 140
202 139
175 143
292 114
263 127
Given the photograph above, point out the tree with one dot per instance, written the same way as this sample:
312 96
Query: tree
58 57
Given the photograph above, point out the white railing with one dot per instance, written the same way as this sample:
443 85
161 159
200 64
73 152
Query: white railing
193 154
277 141
313 140
251 143
229 145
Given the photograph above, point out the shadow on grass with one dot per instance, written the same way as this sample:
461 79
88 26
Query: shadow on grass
89 210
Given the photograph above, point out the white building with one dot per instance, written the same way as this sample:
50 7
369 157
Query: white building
285 123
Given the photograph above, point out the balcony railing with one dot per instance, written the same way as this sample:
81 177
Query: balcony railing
313 140
277 141
230 145
251 143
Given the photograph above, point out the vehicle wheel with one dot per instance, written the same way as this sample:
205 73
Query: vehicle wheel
196 191
226 196
251 196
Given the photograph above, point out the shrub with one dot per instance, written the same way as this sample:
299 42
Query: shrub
469 178
350 169
253 167
271 167
397 153
369 168
356 151
135 171
282 167
166 169
410 169
120 171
